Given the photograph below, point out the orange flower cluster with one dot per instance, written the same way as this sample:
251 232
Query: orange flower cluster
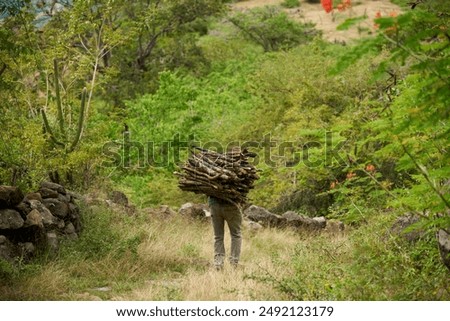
344 5
350 175
327 5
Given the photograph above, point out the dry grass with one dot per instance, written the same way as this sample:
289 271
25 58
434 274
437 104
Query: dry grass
190 244
155 258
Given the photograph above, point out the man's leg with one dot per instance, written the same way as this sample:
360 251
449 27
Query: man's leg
218 223
234 220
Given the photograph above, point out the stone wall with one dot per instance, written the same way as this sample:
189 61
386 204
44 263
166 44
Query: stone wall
36 221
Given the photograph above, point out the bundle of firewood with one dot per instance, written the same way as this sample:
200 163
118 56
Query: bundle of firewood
227 176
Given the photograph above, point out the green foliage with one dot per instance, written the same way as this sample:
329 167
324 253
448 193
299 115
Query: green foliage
350 22
290 3
7 271
272 29
413 126
364 140
102 236
374 266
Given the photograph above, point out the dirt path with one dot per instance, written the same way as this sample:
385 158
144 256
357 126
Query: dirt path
327 22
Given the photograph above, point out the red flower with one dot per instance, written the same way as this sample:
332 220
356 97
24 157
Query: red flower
327 5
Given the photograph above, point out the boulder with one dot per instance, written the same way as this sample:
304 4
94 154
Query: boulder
24 208
52 242
34 218
70 232
10 196
334 227
7 249
47 217
302 222
443 238
261 215
162 211
402 223
33 196
196 211
251 226
64 198
10 219
118 197
48 193
53 186
56 207
321 221
27 249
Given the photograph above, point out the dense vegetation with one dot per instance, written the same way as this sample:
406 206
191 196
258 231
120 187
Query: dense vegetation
357 133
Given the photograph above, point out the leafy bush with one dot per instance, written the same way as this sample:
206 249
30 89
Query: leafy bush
366 264
290 3
272 29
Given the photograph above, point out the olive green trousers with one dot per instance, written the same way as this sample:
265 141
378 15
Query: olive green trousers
221 213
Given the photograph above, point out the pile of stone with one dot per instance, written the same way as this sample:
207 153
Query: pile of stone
289 219
36 221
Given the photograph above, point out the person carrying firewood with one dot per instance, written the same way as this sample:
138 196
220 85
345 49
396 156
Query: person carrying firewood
223 211
226 179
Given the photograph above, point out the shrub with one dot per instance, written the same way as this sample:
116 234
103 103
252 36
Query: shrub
272 29
290 3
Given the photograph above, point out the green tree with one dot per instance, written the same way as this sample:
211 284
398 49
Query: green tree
272 29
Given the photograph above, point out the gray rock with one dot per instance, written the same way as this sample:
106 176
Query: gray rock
252 226
52 241
47 217
7 250
34 218
162 211
302 222
61 225
48 193
334 227
64 198
53 186
10 219
33 196
27 249
443 238
404 222
195 211
56 207
69 229
10 196
118 197
261 215
24 208
321 220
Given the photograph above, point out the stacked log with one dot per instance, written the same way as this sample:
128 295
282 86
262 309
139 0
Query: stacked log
227 176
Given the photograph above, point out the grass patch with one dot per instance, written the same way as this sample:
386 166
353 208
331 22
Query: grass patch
290 4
